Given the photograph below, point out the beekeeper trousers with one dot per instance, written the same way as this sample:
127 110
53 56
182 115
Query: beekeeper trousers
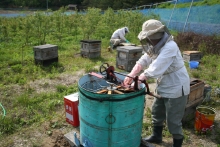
172 111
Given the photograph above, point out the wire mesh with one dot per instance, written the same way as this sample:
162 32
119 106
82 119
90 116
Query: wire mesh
198 19
94 85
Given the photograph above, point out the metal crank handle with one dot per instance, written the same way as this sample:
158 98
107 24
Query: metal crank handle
156 96
148 90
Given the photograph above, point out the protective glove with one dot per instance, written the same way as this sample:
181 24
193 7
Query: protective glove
136 69
142 77
127 41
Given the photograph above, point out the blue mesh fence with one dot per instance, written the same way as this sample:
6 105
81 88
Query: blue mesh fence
186 1
200 19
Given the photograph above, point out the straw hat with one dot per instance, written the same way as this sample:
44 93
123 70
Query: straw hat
152 29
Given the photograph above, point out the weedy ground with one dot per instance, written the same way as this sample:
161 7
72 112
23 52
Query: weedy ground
32 95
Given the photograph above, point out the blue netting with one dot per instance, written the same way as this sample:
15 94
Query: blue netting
201 19
187 1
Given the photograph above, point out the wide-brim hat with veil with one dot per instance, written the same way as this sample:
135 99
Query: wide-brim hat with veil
152 29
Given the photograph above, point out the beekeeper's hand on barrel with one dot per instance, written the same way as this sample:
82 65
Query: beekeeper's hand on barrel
141 79
134 72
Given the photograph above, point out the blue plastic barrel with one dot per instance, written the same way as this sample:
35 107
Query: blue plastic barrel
109 120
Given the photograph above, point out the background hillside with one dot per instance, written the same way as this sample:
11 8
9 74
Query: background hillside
82 4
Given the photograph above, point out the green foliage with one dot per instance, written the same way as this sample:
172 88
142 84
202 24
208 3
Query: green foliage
89 22
61 88
185 5
148 112
27 90
8 125
16 68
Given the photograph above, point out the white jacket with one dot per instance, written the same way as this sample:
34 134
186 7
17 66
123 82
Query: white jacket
119 34
172 77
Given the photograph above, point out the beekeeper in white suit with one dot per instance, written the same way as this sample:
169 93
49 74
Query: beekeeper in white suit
119 37
162 60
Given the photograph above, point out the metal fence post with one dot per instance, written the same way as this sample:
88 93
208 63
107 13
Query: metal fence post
171 14
149 9
47 4
187 16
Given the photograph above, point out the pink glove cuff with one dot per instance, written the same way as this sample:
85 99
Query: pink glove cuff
136 69
142 77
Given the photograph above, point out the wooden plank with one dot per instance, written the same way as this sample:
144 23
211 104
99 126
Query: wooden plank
190 110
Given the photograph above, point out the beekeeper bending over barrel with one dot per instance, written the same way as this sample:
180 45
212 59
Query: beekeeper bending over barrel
118 37
162 60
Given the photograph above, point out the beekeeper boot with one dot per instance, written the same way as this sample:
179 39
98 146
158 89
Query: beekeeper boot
109 49
156 137
177 142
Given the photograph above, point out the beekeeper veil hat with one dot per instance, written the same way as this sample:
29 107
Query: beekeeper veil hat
152 29
126 30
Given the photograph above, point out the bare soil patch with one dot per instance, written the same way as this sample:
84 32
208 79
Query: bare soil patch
45 136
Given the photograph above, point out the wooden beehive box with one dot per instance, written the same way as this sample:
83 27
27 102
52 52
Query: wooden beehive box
195 98
90 48
192 56
127 56
45 53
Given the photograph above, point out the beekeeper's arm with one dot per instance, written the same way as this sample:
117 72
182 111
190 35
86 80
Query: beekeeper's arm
145 60
122 34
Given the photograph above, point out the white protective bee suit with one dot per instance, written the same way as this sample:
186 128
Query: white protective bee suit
119 36
164 62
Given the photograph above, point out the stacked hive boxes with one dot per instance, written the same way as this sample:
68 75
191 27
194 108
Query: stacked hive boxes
192 56
90 48
127 57
194 99
45 54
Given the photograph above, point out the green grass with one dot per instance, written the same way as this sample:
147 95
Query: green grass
25 103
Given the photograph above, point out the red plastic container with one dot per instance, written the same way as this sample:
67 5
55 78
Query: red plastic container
71 107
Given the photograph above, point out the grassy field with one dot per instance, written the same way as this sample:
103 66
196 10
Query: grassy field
32 95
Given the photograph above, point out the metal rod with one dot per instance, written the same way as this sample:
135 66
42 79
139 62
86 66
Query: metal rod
187 16
172 14
47 4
